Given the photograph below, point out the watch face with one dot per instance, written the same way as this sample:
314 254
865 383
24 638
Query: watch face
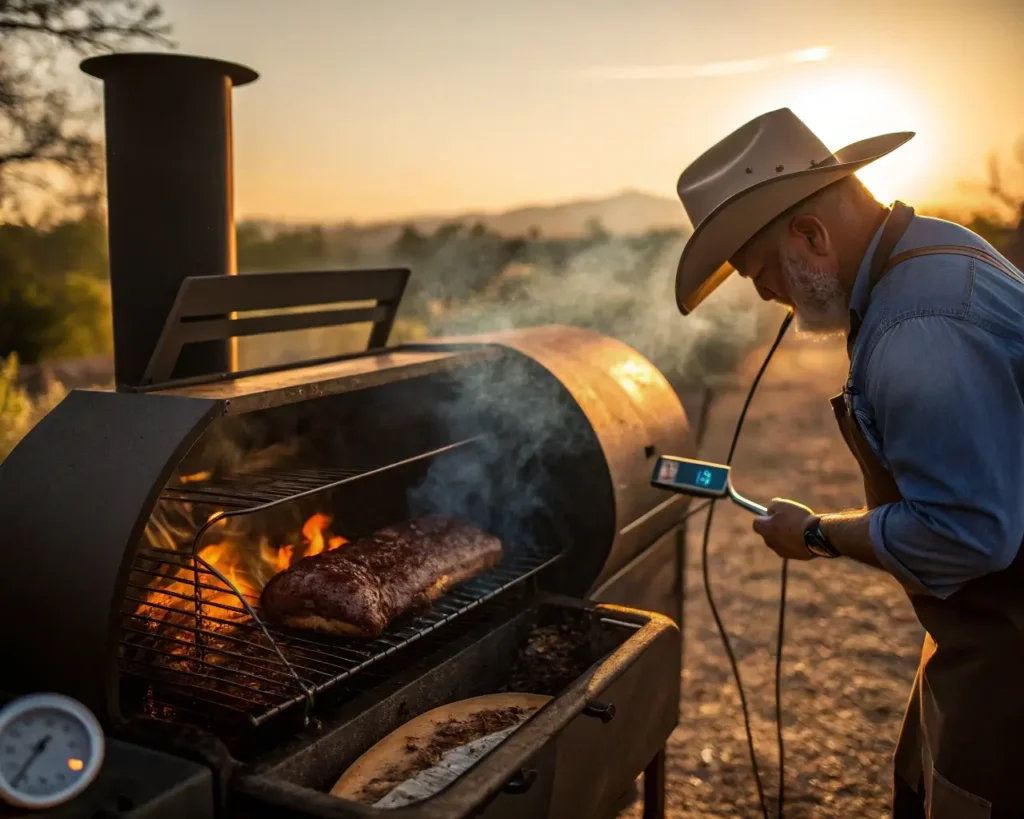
816 543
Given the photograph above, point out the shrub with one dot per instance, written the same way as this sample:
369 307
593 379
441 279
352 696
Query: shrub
19 411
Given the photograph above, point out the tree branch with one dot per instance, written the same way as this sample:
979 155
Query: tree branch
37 122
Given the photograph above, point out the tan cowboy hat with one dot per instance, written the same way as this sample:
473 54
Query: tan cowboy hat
740 185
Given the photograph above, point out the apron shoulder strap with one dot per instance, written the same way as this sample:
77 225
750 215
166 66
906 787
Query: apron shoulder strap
896 223
954 250
895 226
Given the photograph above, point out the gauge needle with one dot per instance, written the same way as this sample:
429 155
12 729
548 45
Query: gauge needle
40 747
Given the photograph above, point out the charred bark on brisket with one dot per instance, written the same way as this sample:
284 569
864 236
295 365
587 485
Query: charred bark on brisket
359 589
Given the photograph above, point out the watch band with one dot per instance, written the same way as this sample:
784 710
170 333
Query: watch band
816 542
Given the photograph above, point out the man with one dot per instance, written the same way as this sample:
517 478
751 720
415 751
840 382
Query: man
932 410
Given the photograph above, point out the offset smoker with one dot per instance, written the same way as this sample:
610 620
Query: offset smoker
140 524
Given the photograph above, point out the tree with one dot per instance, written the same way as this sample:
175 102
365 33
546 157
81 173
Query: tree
41 126
595 229
410 244
1013 248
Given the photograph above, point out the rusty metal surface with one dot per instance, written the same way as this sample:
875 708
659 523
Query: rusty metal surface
635 413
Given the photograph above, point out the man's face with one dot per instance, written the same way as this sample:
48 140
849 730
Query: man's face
785 267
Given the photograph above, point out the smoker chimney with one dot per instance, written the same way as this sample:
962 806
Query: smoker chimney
170 196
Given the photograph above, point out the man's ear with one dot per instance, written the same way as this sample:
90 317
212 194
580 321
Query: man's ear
811 230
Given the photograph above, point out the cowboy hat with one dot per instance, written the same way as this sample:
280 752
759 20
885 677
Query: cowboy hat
740 185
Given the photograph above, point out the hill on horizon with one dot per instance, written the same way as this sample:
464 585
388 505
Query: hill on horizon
627 213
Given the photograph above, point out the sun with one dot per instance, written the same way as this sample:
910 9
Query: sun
842 108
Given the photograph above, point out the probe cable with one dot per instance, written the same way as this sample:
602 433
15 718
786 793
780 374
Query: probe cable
782 605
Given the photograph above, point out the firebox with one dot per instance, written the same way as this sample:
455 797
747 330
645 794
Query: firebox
142 523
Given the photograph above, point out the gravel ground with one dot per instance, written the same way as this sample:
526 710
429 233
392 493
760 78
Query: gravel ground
851 636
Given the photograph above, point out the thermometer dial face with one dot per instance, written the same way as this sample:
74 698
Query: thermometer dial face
51 749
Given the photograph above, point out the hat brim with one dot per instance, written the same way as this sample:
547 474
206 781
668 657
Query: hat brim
704 263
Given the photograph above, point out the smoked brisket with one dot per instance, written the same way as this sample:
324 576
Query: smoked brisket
359 588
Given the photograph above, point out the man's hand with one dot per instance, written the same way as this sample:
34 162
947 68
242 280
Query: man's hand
783 528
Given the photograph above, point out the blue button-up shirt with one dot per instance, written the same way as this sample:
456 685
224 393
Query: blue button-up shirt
937 382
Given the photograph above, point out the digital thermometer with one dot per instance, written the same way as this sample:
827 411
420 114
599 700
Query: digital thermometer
700 478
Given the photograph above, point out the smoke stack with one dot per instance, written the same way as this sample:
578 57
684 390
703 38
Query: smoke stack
170 196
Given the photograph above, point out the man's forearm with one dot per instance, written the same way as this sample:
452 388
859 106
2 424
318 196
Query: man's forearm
850 533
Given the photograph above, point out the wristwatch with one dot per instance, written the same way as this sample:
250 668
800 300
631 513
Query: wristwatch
816 542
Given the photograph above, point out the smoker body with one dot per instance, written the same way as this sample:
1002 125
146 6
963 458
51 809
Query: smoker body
102 462
140 524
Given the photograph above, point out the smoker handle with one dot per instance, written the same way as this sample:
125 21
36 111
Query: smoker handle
521 782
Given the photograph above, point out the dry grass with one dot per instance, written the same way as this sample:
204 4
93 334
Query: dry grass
851 637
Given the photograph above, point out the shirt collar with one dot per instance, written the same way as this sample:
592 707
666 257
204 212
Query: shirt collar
860 293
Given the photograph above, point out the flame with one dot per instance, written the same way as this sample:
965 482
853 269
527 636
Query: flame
313 532
196 477
247 567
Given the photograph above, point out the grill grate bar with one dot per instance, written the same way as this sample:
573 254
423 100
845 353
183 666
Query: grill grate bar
202 691
248 490
220 651
207 664
189 598
268 654
258 683
181 560
301 644
188 614
487 587
191 584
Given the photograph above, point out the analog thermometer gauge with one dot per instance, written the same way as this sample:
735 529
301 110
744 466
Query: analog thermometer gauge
51 749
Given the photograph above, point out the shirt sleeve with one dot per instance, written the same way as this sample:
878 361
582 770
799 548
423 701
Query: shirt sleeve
948 410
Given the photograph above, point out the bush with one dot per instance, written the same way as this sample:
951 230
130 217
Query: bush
54 294
19 411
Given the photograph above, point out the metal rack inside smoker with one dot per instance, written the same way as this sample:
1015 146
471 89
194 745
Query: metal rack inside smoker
222 655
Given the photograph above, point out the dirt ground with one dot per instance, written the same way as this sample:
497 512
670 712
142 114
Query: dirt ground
851 636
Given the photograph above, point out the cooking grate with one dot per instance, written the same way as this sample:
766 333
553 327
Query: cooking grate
192 631
243 492
234 661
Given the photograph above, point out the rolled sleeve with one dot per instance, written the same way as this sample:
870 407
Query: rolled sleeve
949 414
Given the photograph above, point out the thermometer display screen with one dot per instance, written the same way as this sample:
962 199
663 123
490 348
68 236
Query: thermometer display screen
693 477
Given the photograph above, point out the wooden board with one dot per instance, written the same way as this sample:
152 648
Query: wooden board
393 751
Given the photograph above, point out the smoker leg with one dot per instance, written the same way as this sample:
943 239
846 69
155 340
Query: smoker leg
654 787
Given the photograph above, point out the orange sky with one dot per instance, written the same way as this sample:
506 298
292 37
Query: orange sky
370 109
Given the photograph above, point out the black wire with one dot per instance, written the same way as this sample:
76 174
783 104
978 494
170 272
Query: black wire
782 602
779 637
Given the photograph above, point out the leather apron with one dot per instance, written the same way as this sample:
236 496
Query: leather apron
960 753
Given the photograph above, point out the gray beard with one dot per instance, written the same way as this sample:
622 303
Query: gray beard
819 301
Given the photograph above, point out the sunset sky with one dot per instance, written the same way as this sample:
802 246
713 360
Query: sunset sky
371 109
